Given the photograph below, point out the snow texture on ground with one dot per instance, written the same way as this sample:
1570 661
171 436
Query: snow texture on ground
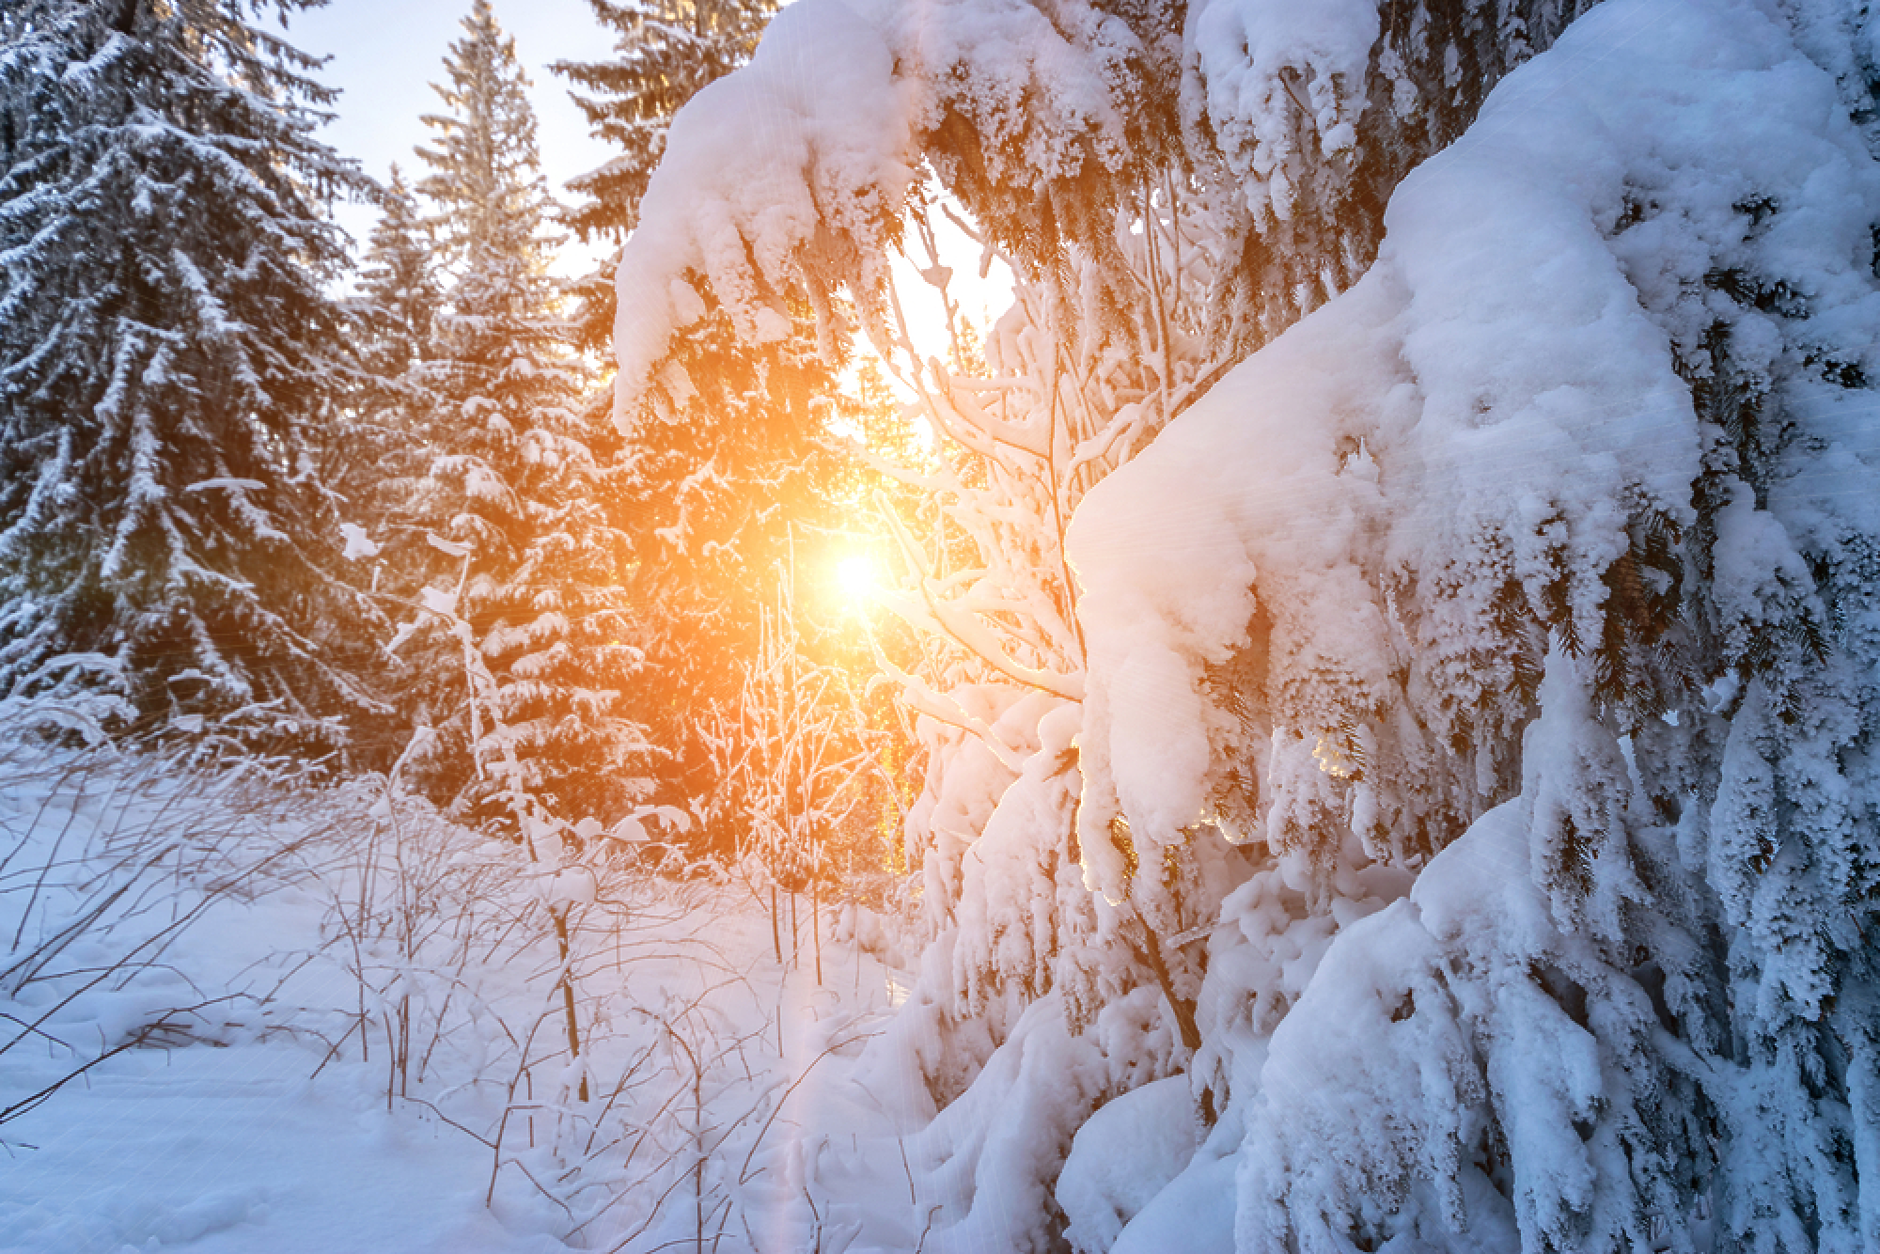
253 1123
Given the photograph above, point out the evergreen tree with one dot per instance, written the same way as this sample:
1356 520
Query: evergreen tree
665 52
728 501
731 484
400 291
167 342
377 454
1532 574
385 441
521 485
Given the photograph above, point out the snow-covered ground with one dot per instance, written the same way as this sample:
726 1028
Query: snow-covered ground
236 1149
258 1121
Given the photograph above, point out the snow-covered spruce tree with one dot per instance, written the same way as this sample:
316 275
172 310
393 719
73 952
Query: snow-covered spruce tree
1303 126
996 599
400 290
377 455
1574 485
387 437
665 51
734 472
167 342
520 498
729 498
1127 159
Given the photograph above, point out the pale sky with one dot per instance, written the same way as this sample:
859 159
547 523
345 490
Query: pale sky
385 53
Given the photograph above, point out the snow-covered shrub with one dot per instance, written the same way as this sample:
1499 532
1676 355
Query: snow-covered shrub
1599 409
1122 1156
76 694
1170 185
551 989
790 750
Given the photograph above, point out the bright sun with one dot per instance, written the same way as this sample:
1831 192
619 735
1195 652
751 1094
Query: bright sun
855 576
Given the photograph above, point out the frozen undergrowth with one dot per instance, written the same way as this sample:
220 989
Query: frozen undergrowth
243 1009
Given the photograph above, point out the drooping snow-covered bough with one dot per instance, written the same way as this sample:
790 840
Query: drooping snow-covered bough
1560 527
